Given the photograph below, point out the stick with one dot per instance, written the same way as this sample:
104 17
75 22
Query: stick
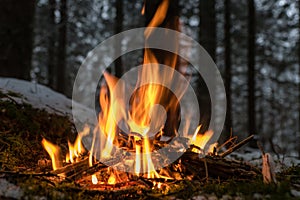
231 140
237 146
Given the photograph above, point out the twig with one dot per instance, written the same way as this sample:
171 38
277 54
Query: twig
206 170
230 140
237 146
260 148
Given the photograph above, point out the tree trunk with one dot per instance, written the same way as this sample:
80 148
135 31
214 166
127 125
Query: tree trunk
208 26
228 75
251 68
207 38
16 37
51 44
299 82
62 46
118 43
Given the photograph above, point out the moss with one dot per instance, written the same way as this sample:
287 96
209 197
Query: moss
250 187
22 128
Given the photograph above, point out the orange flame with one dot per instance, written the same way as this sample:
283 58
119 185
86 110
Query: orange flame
77 148
143 117
200 140
54 153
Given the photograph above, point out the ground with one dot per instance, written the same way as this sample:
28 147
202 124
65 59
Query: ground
23 126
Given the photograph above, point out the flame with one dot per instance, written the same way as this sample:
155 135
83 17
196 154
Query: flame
148 164
76 149
200 140
54 153
145 115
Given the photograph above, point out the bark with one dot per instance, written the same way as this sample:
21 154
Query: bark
16 37
62 47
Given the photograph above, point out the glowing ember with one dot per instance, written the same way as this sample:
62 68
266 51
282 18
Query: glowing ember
94 179
112 179
156 184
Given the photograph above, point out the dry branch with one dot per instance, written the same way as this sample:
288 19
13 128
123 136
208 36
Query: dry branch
237 146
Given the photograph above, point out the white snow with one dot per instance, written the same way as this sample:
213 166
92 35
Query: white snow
39 96
10 190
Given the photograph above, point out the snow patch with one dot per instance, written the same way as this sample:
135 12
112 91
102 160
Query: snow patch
41 97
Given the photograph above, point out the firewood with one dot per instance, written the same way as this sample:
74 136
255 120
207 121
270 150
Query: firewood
72 167
218 166
87 171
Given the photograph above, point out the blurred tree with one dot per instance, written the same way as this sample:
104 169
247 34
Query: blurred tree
62 47
251 67
207 33
118 26
227 57
51 44
299 77
16 33
207 38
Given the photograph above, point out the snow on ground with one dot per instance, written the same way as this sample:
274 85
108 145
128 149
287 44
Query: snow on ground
40 96
10 190
254 156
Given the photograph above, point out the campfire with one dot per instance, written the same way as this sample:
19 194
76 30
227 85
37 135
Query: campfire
147 109
125 143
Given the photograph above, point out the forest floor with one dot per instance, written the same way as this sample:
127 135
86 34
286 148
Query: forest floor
23 127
